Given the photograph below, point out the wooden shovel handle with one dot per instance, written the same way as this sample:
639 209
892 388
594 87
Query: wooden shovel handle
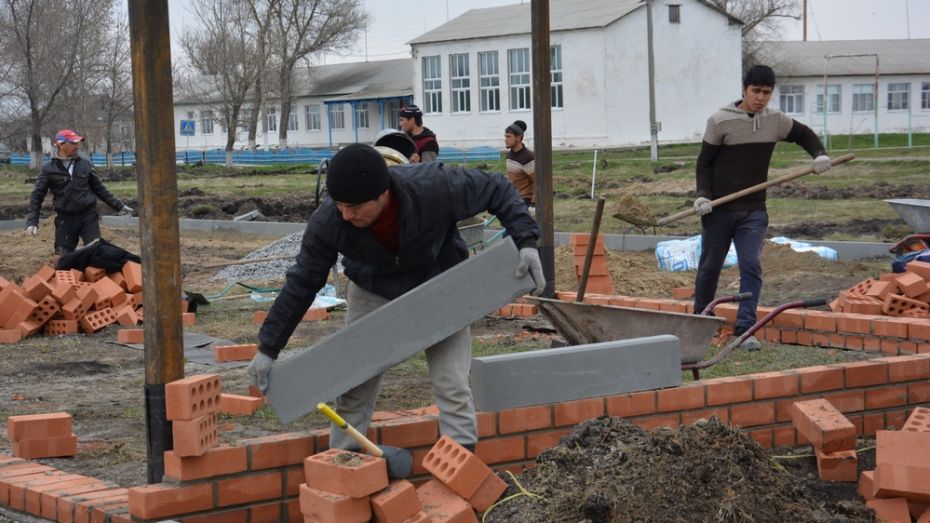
755 188
366 443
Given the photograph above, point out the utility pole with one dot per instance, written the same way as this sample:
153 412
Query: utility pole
805 20
542 129
158 219
653 125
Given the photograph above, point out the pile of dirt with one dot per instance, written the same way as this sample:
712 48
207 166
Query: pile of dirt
610 471
632 274
627 208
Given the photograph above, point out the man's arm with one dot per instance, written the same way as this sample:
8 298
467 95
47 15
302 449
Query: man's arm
96 185
704 172
806 138
35 199
430 151
473 191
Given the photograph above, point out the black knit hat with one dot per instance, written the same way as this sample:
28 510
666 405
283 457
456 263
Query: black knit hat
517 128
411 111
357 174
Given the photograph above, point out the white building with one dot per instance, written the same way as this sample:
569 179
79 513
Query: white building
903 68
472 75
333 105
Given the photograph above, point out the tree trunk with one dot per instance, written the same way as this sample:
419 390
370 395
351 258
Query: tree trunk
256 112
35 159
232 129
109 138
286 103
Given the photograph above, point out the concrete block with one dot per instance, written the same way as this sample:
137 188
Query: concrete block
407 325
509 381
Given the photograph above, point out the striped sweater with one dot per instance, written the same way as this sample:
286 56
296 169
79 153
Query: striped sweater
737 148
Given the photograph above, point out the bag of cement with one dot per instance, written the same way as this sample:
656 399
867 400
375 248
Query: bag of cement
796 246
684 255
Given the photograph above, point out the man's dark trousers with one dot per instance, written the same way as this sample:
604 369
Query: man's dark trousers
71 227
747 231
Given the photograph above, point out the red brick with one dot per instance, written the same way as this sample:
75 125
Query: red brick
500 450
317 314
33 426
319 505
242 352
574 412
524 419
683 293
723 391
792 318
188 319
866 487
893 327
98 512
820 378
679 398
66 505
895 419
239 405
441 504
192 397
248 489
762 437
10 335
409 432
902 448
540 441
872 422
487 424
671 421
130 336
218 461
628 405
908 368
753 414
49 499
258 317
896 305
911 284
267 513
918 330
61 327
836 466
784 437
847 401
347 473
97 320
488 493
820 321
885 397
396 503
774 384
194 437
823 425
56 447
460 470
854 323
19 485
919 268
918 392
132 276
892 510
865 373
894 480
160 500
278 450
890 347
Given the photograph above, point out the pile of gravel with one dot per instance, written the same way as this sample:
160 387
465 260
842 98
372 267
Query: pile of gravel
264 271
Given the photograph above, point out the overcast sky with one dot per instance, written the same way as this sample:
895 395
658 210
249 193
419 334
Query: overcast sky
395 22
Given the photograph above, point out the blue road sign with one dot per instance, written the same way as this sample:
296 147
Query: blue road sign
188 127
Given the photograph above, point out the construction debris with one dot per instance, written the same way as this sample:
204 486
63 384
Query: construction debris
904 294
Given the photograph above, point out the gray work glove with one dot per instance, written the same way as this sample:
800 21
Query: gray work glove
821 164
33 229
529 260
702 206
260 370
126 211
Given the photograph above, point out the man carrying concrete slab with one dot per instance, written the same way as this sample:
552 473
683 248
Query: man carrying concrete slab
396 229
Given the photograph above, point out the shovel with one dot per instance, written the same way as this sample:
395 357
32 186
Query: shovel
399 461
738 194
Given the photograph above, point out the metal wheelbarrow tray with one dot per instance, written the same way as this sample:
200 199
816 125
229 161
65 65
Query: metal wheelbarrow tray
915 212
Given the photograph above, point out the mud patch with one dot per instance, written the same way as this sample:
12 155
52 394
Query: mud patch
878 190
820 230
67 369
610 471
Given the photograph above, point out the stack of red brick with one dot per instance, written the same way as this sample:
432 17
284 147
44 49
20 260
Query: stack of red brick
831 434
41 435
66 302
348 487
899 487
904 294
599 281
191 405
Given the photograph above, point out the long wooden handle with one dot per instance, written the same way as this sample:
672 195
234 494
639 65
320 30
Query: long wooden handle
366 443
246 262
755 188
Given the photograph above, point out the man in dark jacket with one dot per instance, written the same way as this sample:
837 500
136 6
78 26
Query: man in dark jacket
396 228
411 122
735 154
75 188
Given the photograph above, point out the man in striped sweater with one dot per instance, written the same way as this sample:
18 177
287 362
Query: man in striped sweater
735 154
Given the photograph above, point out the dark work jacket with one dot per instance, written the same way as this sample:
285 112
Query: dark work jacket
429 207
71 194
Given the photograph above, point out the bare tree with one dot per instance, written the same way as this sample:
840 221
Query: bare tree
45 39
261 17
761 21
115 91
301 28
227 52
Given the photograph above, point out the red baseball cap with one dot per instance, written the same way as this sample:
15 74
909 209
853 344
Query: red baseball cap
67 135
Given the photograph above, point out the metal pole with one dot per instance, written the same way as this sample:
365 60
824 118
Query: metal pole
653 127
542 128
589 252
158 218
875 104
826 135
593 173
805 20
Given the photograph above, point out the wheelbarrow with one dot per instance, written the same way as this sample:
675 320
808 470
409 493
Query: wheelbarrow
583 323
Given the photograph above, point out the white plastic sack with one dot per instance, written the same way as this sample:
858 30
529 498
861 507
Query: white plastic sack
684 255
796 246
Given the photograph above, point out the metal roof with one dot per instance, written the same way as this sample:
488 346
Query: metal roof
807 58
564 15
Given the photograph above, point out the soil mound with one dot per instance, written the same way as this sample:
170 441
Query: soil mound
610 471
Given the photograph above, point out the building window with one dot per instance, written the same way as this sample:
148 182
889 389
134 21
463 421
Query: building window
271 120
899 96
674 14
519 63
312 113
555 62
925 95
461 83
337 116
863 97
206 122
361 115
393 111
292 120
489 82
791 99
833 99
432 84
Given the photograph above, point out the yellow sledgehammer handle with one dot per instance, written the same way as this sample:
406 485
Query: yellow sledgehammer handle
366 443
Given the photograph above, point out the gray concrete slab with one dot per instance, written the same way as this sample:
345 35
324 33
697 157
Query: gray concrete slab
401 328
276 229
541 377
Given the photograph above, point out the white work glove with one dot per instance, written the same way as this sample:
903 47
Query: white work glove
702 206
821 164
260 370
532 210
126 211
529 260
33 229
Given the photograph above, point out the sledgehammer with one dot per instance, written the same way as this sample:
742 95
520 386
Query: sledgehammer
399 461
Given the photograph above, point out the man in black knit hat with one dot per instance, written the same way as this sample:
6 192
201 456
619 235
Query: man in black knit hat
521 164
411 122
735 154
396 229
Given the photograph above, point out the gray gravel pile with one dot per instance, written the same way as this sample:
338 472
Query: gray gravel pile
264 271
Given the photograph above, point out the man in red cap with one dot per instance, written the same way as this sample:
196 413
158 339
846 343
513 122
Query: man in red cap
75 188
